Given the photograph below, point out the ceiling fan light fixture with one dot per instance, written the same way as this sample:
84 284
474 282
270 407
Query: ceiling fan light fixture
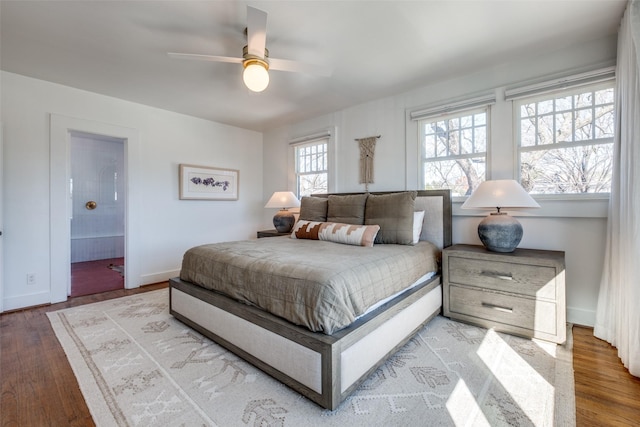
255 74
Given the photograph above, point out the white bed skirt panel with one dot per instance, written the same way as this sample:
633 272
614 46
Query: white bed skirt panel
300 362
295 360
364 354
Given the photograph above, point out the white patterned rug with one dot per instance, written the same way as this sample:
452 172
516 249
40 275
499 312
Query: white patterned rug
137 365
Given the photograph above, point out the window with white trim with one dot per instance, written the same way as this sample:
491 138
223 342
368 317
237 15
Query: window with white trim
312 167
454 151
565 140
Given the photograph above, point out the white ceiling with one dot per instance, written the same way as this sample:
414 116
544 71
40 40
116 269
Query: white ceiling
375 48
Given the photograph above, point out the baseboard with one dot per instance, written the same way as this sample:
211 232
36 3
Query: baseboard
579 316
28 300
44 297
162 276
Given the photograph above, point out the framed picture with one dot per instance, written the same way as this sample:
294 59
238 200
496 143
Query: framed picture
208 183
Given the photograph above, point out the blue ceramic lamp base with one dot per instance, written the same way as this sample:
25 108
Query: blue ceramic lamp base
283 221
500 232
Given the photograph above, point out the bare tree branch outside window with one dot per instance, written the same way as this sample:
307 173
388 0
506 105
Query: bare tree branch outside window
454 152
312 168
566 142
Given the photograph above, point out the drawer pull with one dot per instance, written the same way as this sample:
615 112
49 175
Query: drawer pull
497 307
501 276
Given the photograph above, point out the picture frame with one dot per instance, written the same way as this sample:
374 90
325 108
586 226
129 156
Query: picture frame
208 183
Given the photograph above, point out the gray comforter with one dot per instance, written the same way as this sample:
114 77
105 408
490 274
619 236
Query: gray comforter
321 285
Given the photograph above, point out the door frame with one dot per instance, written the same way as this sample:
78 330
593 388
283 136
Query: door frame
61 206
2 269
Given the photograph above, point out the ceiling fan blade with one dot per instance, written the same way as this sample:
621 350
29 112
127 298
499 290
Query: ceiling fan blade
256 31
299 67
210 58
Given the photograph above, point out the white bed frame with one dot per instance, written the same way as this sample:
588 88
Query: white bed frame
324 368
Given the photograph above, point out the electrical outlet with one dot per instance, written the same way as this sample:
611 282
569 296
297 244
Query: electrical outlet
31 278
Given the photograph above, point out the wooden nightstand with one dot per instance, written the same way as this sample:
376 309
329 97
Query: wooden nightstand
522 293
271 233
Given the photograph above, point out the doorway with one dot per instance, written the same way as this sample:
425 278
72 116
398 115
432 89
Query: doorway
97 189
60 200
1 223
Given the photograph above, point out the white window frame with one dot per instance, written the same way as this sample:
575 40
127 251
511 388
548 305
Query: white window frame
323 137
606 82
438 111
425 159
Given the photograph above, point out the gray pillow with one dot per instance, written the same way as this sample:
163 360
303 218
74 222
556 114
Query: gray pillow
313 209
347 209
394 214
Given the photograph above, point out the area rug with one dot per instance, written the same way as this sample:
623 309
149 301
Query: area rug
117 268
138 366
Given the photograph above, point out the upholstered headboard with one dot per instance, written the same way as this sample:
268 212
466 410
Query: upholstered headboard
436 225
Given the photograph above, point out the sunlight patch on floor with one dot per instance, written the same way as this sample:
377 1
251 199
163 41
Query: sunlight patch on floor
518 378
463 408
547 347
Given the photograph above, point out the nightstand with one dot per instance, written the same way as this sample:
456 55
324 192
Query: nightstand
522 292
271 233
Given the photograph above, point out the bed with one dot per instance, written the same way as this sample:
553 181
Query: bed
324 360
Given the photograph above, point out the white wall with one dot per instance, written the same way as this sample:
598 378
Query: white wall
167 226
577 228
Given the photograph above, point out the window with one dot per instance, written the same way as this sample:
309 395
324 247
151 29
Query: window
311 167
566 140
454 150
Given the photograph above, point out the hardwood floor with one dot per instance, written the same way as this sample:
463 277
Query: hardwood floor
606 394
93 277
37 383
39 388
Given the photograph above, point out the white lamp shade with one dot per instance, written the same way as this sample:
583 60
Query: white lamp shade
256 77
501 193
283 200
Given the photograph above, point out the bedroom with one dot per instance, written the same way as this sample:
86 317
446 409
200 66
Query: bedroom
161 140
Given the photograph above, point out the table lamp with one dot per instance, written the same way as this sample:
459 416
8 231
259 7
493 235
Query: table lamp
283 220
500 232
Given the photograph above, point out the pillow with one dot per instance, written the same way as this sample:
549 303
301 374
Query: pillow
418 217
394 214
313 208
348 234
347 209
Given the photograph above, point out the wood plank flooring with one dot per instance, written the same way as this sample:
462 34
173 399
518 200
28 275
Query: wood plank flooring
39 388
606 394
92 277
37 383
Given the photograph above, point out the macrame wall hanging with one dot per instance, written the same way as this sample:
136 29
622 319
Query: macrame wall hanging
367 151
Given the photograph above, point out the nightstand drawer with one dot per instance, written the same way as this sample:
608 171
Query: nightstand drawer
531 314
532 280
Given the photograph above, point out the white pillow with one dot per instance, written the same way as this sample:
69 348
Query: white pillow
418 217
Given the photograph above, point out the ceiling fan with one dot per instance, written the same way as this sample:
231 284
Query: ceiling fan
255 57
